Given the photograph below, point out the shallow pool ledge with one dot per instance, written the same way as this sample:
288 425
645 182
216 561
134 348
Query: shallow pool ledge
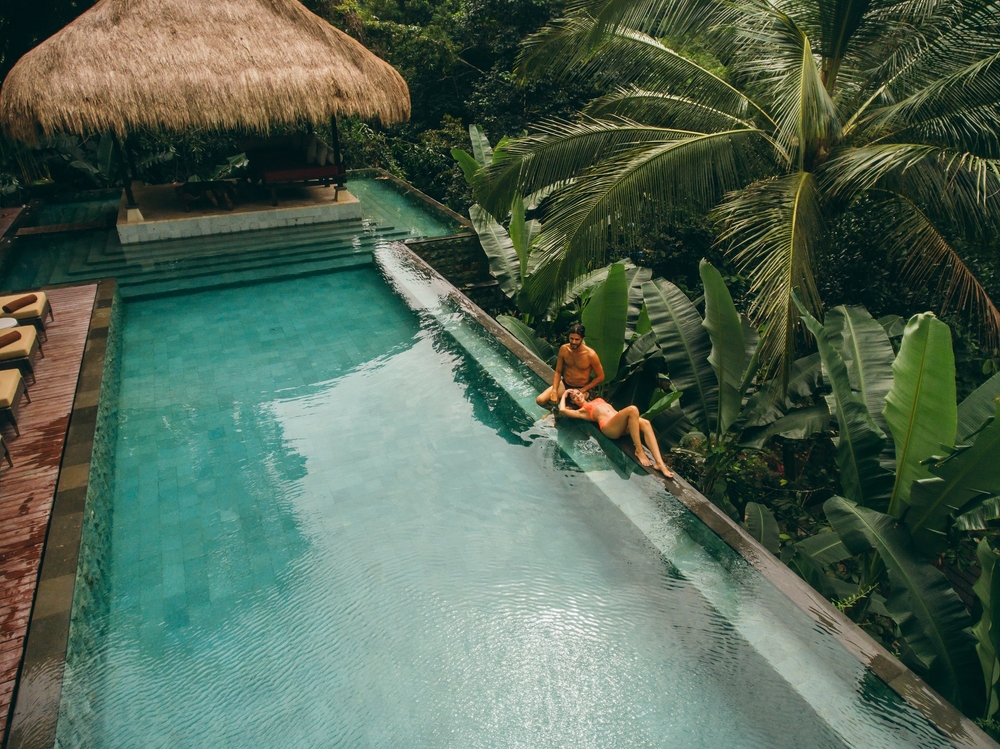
938 711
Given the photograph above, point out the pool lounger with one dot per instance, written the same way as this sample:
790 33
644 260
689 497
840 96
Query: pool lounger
21 354
12 388
33 313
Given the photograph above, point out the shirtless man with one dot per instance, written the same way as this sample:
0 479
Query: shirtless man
576 363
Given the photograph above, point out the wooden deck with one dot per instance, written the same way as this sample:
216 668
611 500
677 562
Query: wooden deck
27 489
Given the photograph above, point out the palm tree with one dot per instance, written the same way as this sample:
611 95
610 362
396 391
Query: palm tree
820 103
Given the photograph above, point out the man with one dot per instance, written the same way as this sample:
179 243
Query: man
575 367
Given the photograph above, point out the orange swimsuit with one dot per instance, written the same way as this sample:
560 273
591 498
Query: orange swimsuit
589 408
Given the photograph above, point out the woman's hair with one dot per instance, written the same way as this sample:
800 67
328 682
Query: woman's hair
570 404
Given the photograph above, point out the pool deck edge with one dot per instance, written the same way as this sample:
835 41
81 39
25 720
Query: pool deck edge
954 725
35 703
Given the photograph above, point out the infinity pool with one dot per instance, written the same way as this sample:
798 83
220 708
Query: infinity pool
338 520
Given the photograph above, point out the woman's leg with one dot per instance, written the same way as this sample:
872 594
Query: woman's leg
654 447
627 420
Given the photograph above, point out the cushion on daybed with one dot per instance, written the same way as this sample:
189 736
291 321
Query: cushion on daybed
19 349
14 306
32 310
9 380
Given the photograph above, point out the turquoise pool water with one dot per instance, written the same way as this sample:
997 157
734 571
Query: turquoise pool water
339 521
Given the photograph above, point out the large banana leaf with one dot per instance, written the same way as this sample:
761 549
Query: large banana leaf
860 441
762 526
797 424
978 515
505 265
765 406
920 407
480 145
987 632
465 160
522 235
824 548
686 346
539 346
977 408
604 318
729 354
636 278
586 283
868 354
661 404
966 474
930 615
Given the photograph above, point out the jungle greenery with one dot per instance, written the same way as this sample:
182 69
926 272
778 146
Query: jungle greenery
688 165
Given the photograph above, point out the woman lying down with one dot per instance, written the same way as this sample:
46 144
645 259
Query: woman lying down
614 424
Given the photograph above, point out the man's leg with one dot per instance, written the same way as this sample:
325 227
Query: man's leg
544 400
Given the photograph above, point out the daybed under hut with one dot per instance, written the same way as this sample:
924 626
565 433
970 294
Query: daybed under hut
178 65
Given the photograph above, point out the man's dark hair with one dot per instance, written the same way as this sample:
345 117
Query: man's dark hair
576 329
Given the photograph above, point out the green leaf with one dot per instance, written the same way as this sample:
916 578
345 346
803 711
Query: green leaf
930 615
636 278
604 318
893 325
661 404
979 516
987 589
538 346
966 474
469 165
728 357
642 325
860 441
762 526
866 351
977 408
797 424
504 262
686 346
586 283
520 236
824 548
480 146
920 407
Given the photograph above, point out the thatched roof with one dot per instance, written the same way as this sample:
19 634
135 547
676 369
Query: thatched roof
182 64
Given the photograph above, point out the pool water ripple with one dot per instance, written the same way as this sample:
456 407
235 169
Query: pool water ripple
364 542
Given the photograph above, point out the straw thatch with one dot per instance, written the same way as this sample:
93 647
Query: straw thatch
182 64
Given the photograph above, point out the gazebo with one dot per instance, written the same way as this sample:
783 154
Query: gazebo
177 65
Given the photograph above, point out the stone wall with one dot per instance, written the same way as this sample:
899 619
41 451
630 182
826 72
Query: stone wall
461 259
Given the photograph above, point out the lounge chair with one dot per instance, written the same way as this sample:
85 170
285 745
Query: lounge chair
12 388
5 453
34 313
21 354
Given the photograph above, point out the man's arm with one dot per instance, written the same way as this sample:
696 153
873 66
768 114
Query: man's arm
558 376
595 364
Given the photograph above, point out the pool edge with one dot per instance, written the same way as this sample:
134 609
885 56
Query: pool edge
35 707
946 718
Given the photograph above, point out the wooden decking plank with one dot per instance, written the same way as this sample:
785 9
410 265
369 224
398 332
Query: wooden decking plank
27 489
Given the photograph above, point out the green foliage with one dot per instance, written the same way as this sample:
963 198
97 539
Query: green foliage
537 345
920 407
604 318
762 526
729 354
987 589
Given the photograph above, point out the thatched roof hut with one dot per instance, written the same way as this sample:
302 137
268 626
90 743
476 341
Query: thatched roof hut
183 64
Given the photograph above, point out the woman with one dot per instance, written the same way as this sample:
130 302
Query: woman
614 424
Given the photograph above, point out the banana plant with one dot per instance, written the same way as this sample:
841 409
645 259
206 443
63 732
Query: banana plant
987 629
713 361
507 249
897 512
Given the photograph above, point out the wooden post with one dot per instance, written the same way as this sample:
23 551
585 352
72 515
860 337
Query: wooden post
336 141
125 171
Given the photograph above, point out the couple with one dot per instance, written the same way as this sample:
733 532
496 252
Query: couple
576 363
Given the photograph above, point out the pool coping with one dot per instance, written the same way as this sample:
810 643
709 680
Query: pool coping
47 636
944 716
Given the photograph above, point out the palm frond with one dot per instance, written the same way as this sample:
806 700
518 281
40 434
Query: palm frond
663 110
558 152
693 171
778 57
930 261
770 229
660 18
